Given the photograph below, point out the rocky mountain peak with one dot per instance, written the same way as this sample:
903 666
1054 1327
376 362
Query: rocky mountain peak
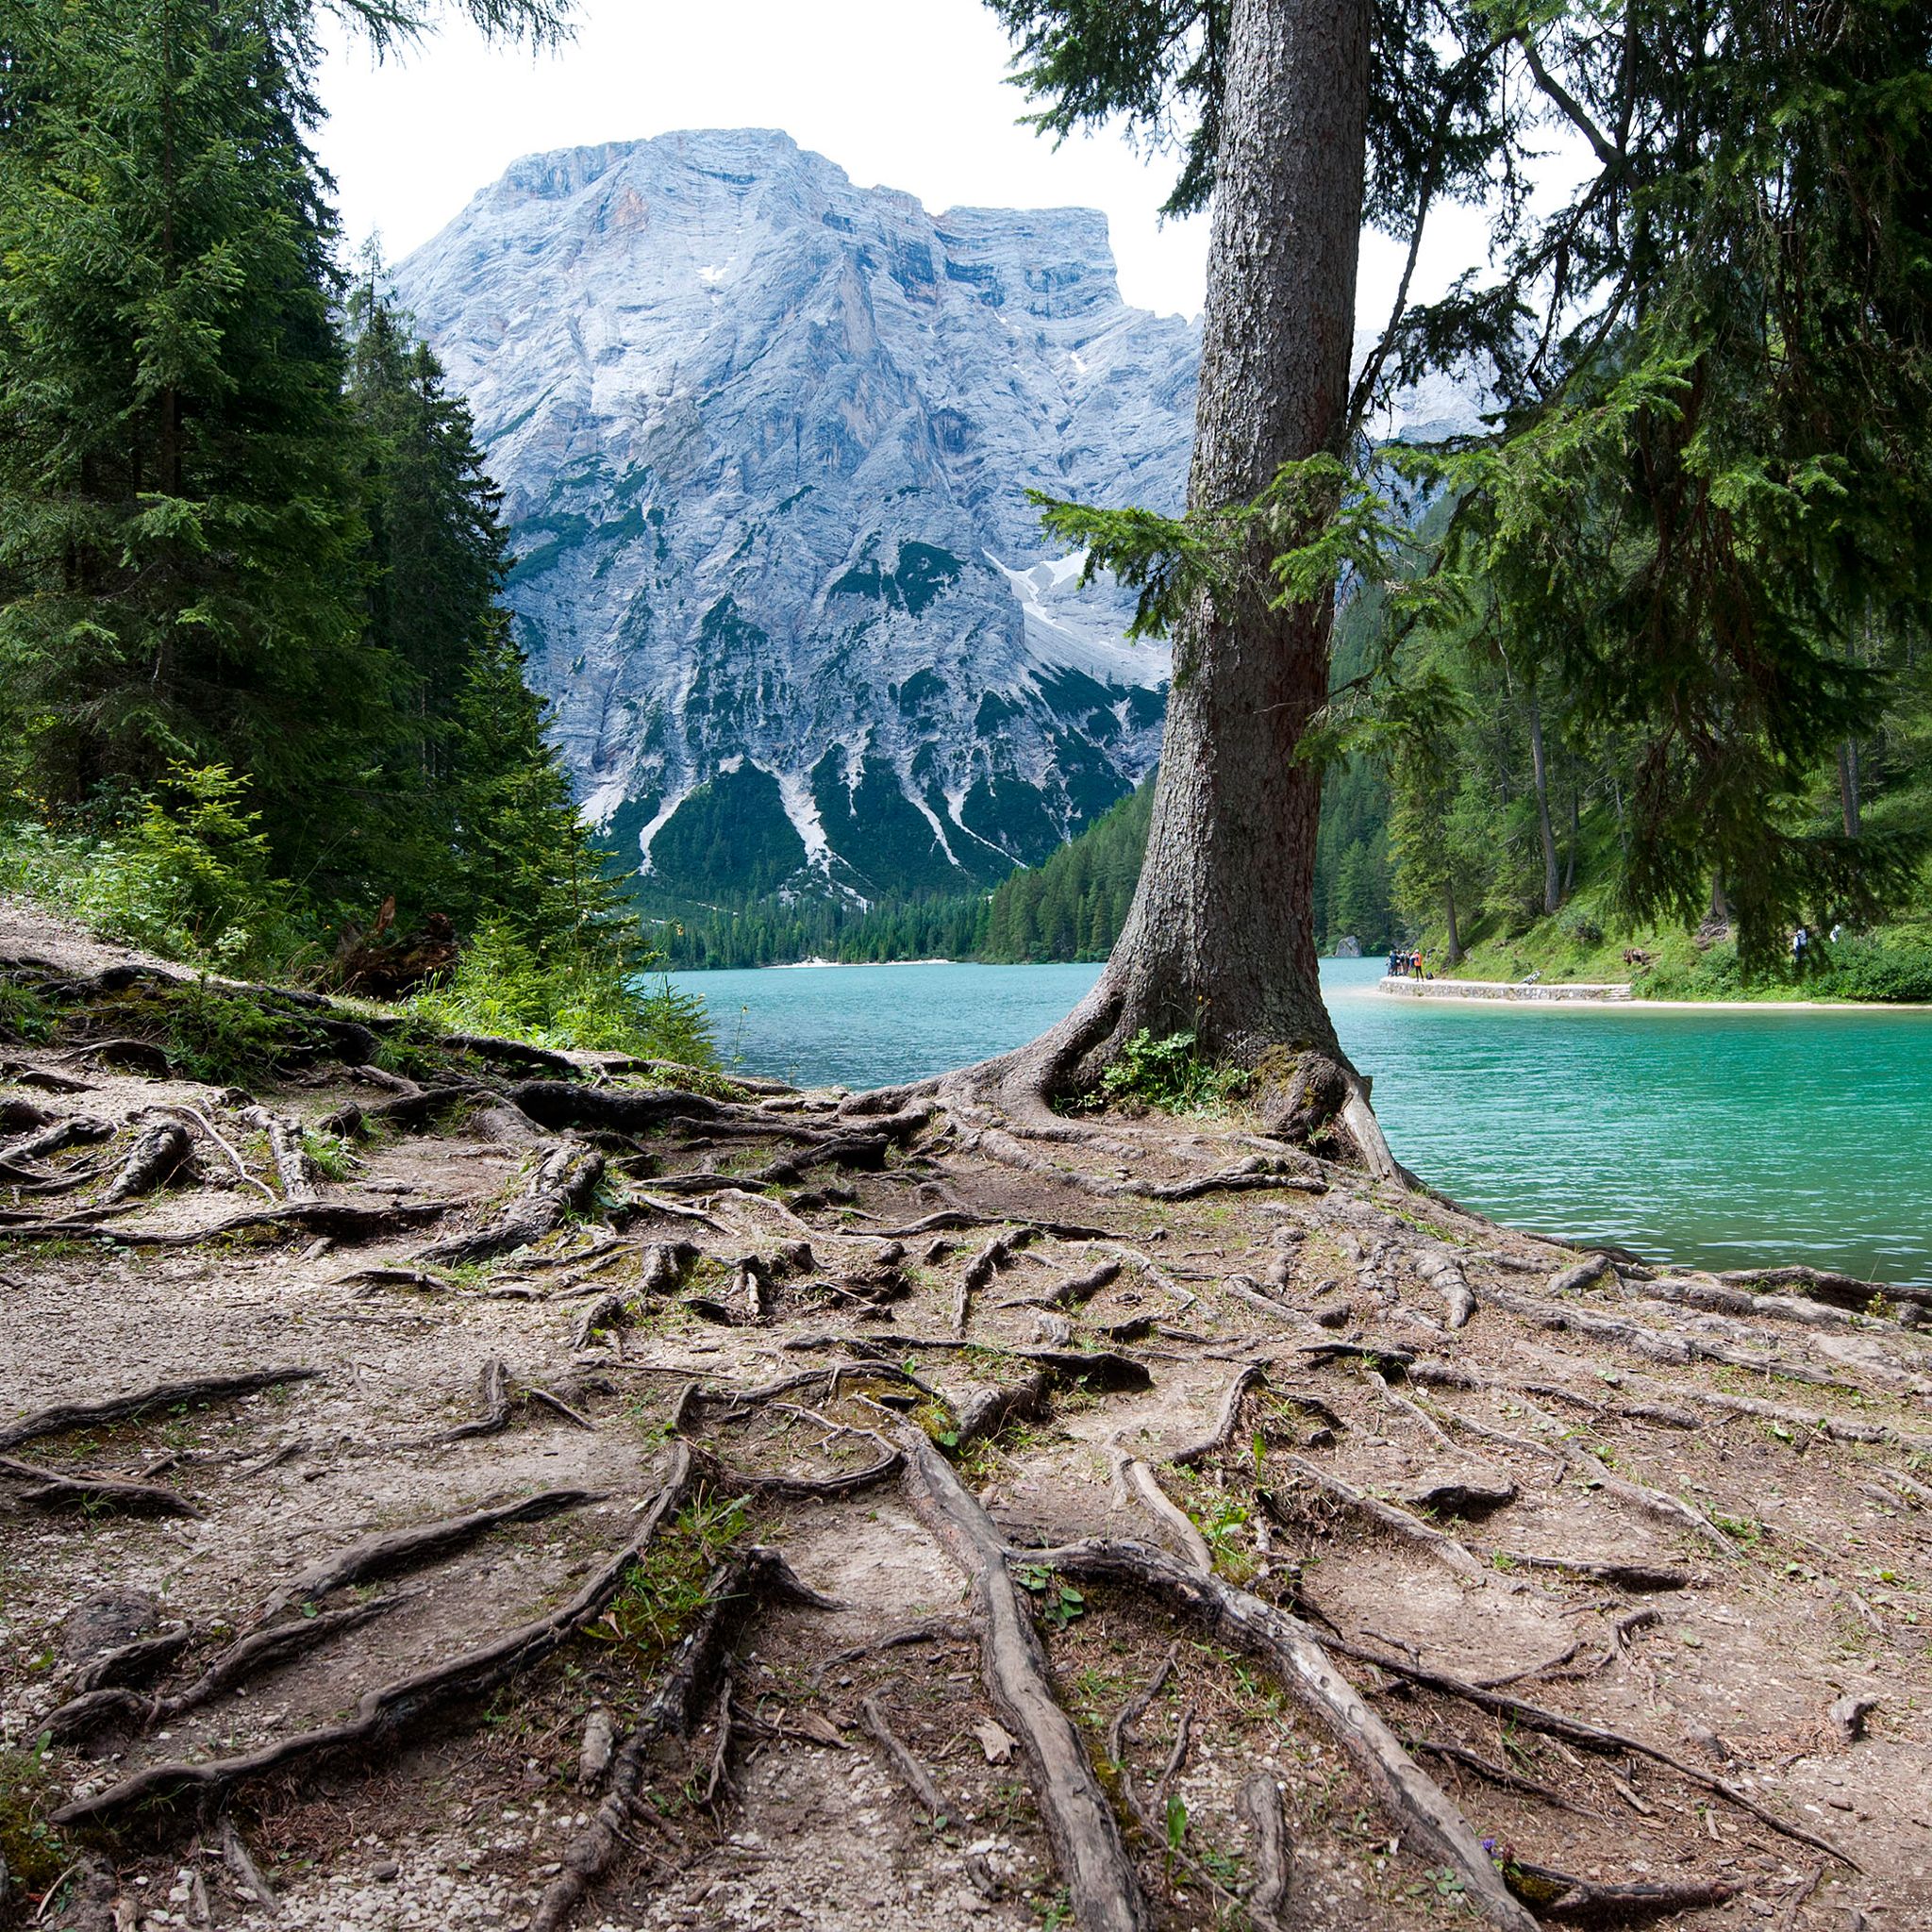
766 440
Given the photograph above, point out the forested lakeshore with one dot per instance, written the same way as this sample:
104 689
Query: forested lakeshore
262 707
454 1481
1526 844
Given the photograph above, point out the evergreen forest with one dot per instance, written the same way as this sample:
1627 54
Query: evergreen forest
262 702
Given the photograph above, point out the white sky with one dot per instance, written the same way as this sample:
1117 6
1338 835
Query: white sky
900 93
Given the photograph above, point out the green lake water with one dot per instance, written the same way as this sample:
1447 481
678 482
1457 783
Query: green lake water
1720 1136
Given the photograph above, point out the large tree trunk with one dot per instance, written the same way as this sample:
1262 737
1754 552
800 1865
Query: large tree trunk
1848 784
1553 891
1220 938
1454 953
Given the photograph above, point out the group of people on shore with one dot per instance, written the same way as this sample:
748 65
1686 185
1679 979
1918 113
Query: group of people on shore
1407 965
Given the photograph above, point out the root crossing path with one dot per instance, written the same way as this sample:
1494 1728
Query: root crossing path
452 1486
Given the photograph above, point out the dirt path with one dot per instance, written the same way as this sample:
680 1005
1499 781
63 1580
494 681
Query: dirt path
733 1423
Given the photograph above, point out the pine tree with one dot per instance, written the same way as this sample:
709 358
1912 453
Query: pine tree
178 533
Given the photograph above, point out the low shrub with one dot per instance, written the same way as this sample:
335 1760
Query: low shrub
186 874
1876 968
1171 1075
596 1003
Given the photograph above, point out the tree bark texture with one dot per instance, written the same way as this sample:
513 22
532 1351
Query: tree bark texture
1220 940
1553 891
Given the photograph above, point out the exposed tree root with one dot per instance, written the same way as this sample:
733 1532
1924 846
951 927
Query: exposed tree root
1838 1291
129 1664
564 1180
340 1221
1631 1576
1653 1344
997 1253
913 1774
1444 1272
401 1549
1273 1855
1495 1773
1133 1477
1594 1737
991 1407
1572 1901
153 1159
999 1145
494 1384
53 1487
1445 1549
1252 1376
672 1709
927 1630
293 1169
800 1488
65 1416
1080 1823
1655 1502
56 1137
260 1650
381 1710
1419 1807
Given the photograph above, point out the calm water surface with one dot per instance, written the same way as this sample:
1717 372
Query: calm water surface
1714 1136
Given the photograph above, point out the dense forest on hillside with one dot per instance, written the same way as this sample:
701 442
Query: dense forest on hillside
261 706
1071 905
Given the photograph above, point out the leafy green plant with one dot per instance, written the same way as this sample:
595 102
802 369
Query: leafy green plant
186 872
1170 1074
23 1015
591 1002
224 1037
1177 1828
1060 1604
330 1158
663 1592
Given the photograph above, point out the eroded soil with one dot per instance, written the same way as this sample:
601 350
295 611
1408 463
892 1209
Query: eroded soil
1689 1514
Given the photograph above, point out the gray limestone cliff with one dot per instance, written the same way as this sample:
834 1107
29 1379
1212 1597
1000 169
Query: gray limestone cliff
765 440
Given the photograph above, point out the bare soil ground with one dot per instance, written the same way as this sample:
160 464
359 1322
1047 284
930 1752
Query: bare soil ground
1618 1575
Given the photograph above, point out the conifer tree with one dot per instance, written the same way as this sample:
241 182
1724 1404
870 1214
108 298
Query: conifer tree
179 534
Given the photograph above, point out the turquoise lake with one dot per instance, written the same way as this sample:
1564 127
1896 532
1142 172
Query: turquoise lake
1721 1137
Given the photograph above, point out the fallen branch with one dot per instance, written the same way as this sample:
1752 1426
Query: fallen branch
1574 1901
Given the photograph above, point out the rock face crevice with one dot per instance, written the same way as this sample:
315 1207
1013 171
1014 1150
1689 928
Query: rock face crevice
766 440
